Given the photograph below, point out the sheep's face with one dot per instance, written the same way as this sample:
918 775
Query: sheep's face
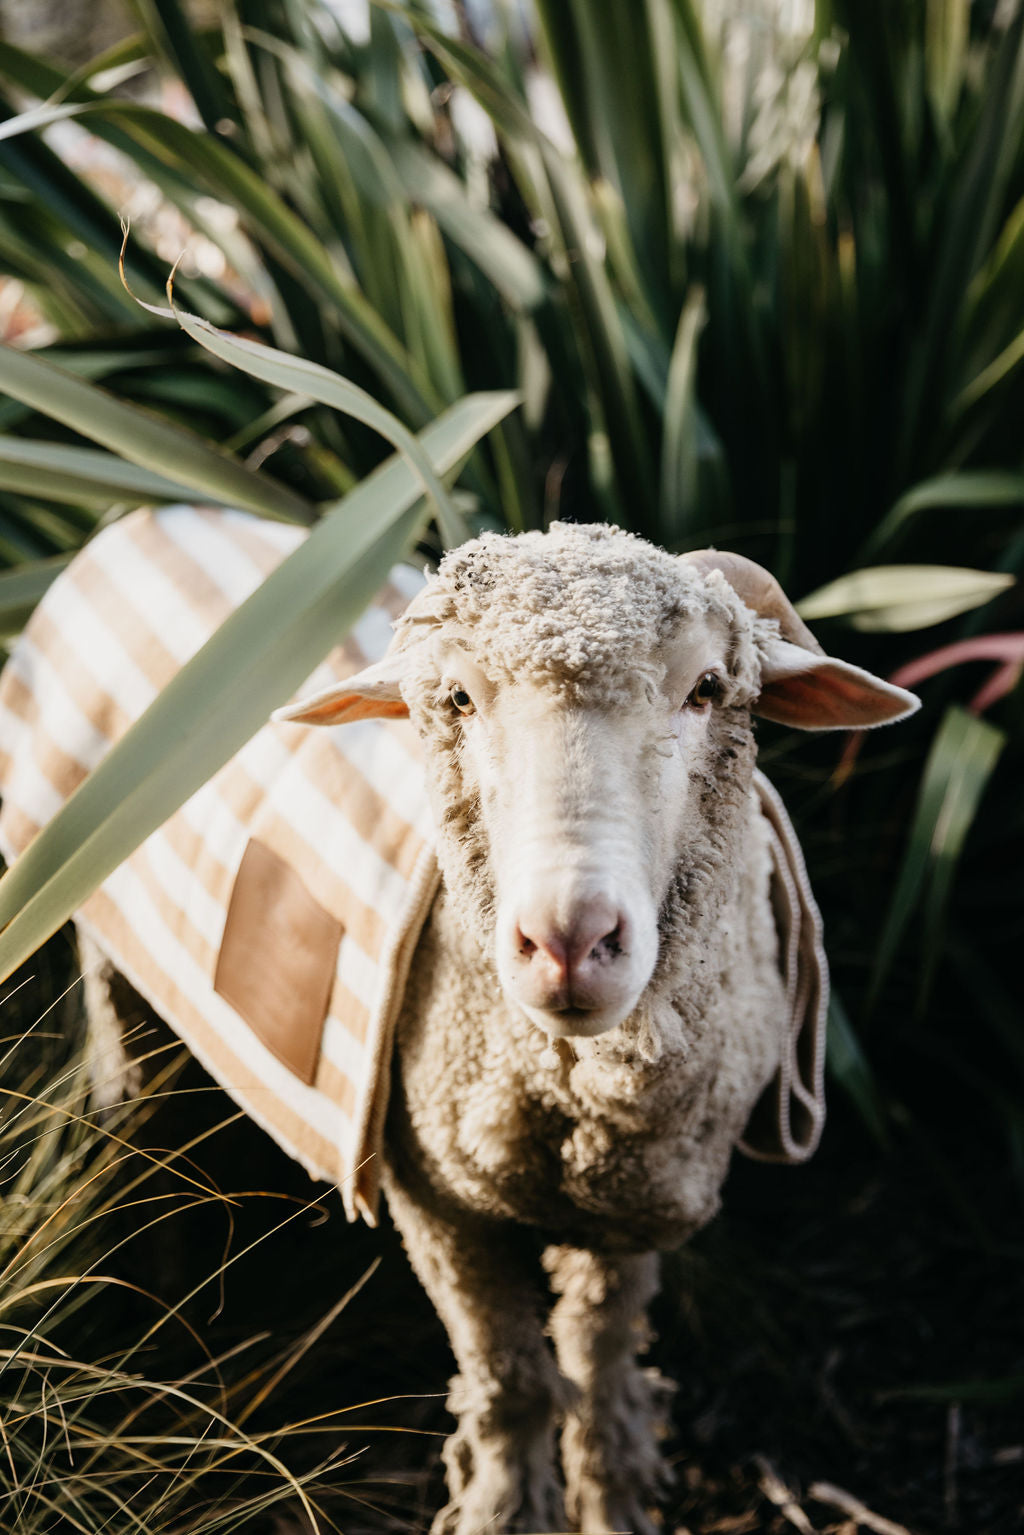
584 796
584 703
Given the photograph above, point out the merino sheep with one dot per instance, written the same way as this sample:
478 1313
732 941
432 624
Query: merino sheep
584 700
597 1000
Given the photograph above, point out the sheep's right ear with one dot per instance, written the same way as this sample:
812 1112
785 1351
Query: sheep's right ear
372 694
813 691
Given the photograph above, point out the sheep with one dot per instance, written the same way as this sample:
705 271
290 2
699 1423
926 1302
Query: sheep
584 702
597 1003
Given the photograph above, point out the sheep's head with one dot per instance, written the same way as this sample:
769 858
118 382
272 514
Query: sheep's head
585 703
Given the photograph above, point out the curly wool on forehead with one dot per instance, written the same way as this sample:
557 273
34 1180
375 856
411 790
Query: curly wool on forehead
577 605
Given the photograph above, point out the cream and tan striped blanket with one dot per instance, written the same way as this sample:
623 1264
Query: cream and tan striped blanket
272 920
335 822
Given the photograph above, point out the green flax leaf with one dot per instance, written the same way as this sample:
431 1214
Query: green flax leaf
900 597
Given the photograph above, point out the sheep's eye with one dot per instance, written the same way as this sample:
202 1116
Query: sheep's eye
462 701
705 693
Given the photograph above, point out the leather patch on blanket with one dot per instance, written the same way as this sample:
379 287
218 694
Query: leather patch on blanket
278 958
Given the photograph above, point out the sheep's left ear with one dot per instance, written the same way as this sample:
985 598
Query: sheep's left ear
800 685
372 694
816 692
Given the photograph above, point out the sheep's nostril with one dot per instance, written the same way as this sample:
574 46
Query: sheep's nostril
610 946
594 938
547 950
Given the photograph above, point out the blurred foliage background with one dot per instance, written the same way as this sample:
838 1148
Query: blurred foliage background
757 272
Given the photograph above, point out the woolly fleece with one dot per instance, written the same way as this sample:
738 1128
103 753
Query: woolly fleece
581 608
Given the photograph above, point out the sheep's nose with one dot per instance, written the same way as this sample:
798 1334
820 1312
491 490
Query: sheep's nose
565 959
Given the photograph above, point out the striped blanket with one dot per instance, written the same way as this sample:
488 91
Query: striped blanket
297 838
272 920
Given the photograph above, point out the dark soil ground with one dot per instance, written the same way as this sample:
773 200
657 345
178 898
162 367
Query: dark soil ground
848 1337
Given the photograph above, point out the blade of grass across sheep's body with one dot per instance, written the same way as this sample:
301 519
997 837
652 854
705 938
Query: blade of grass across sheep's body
300 376
144 439
216 702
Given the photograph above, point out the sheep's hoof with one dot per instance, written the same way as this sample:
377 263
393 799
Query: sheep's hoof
501 1483
497 1499
478 1513
615 1473
595 1513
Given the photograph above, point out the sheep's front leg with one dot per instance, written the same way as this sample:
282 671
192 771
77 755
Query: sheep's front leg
614 1471
484 1278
